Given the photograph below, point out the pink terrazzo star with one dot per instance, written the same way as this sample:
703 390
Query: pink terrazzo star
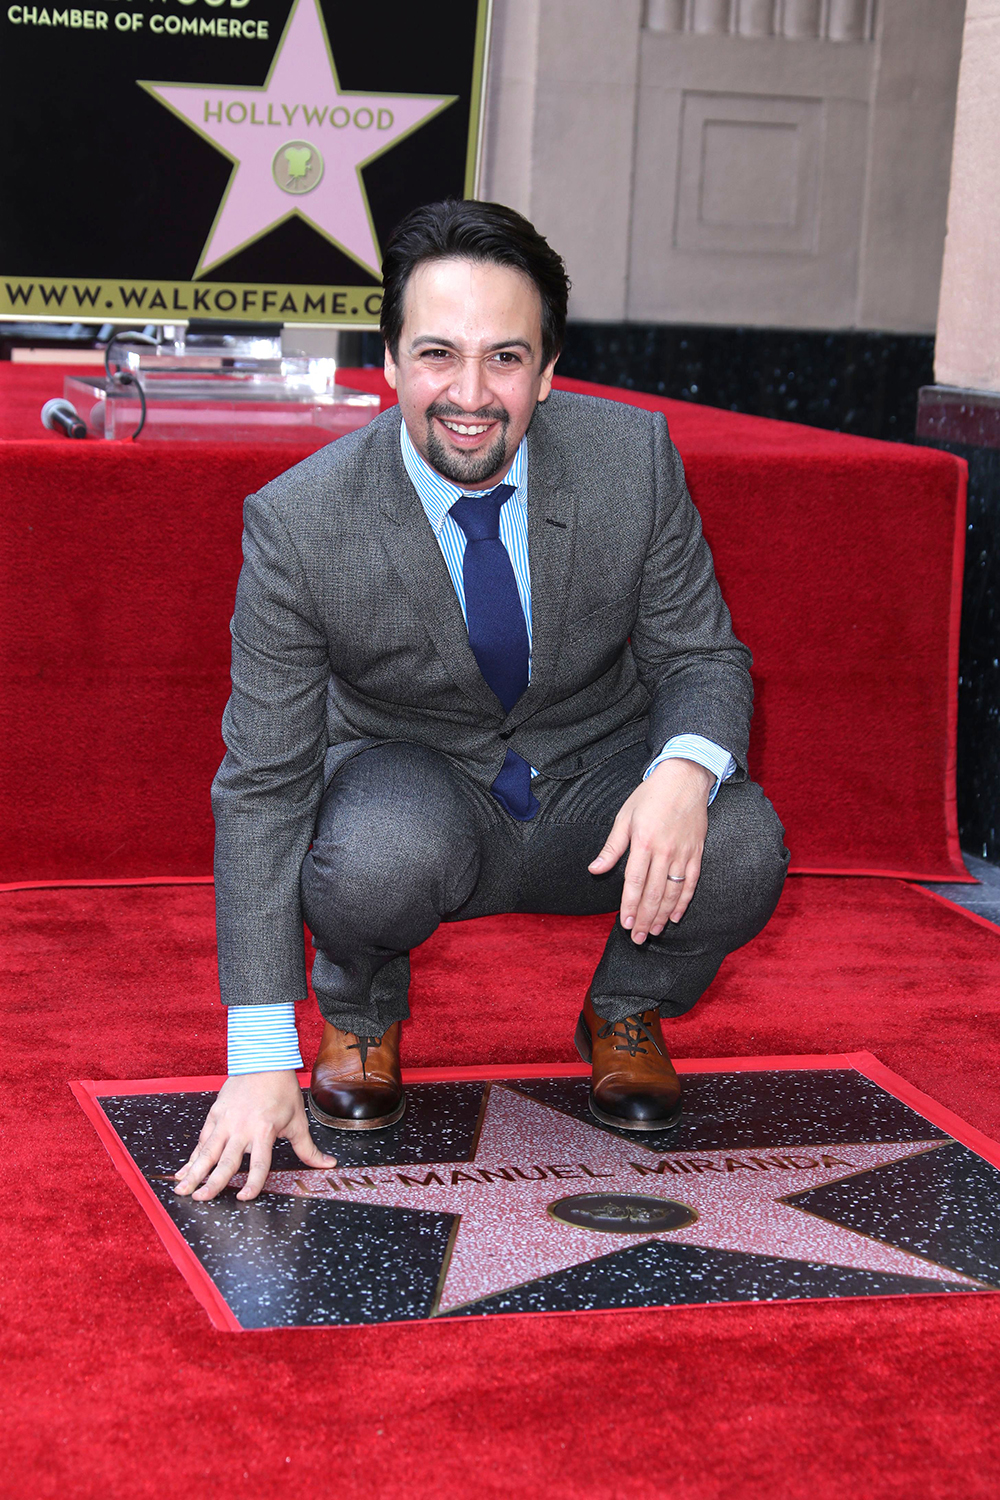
529 1156
298 143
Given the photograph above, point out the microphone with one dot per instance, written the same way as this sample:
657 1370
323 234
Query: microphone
63 415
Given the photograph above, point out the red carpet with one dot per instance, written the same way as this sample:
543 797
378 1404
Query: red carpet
839 556
117 1388
840 559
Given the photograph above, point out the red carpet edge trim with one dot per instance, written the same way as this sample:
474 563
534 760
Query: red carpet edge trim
133 880
87 1092
963 911
863 874
983 1145
62 885
183 1257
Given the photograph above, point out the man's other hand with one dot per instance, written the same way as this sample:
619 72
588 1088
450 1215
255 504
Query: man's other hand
251 1112
663 825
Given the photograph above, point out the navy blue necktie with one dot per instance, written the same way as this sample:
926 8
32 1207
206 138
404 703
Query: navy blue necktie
497 632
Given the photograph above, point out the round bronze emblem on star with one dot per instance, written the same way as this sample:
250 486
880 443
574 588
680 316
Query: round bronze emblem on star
297 167
622 1213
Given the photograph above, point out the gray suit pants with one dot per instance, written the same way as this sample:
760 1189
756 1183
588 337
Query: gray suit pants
405 840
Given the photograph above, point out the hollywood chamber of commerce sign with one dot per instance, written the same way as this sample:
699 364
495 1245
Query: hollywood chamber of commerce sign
227 158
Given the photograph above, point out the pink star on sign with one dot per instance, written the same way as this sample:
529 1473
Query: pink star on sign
529 1157
298 144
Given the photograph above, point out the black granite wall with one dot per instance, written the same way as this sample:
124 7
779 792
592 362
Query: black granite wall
979 656
864 383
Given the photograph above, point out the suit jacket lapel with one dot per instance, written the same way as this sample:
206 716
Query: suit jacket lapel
552 521
415 554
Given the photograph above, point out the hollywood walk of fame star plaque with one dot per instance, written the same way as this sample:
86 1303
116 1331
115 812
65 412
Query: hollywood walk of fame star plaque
236 159
498 1192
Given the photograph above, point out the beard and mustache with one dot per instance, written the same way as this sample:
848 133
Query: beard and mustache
466 468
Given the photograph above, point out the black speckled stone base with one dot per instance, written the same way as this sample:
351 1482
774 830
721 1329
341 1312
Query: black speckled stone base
439 1124
848 381
939 1205
664 1275
758 1111
874 1198
979 655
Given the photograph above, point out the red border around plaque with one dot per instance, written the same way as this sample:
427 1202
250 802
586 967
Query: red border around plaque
89 1093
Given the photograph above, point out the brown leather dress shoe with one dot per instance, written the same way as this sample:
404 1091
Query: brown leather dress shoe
634 1085
356 1083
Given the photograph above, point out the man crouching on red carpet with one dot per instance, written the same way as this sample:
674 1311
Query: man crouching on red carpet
481 664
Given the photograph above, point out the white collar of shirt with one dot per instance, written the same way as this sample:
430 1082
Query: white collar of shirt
438 495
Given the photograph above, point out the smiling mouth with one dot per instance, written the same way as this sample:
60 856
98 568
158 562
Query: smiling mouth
466 429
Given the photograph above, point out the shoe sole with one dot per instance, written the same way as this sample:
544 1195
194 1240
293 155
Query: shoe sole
334 1122
585 1047
620 1124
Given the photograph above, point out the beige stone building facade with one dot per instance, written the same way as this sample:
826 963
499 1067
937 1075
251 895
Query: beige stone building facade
780 163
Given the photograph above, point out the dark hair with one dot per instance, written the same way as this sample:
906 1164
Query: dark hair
468 230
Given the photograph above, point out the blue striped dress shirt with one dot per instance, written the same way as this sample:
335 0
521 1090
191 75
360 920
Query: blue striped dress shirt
263 1037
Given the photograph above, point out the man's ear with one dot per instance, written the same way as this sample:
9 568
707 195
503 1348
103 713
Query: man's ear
547 374
390 368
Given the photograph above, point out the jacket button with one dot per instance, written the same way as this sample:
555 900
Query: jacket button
506 734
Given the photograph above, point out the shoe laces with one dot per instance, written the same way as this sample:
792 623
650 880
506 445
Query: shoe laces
633 1033
361 1047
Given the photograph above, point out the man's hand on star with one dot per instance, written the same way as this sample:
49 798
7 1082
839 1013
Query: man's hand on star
251 1112
663 825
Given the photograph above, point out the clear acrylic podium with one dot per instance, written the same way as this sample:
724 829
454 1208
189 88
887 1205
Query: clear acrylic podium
237 391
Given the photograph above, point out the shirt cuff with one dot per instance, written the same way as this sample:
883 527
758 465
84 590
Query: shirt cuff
704 752
262 1038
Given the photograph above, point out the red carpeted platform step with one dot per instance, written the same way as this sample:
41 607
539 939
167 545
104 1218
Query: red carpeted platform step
117 1387
840 558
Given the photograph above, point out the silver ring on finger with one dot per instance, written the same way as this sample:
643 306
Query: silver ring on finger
678 879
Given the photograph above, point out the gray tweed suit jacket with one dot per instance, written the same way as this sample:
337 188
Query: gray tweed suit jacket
347 633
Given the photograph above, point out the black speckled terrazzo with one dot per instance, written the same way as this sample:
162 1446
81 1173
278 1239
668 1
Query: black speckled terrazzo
777 1185
763 1109
658 1274
979 654
159 1130
848 380
945 1205
292 1262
